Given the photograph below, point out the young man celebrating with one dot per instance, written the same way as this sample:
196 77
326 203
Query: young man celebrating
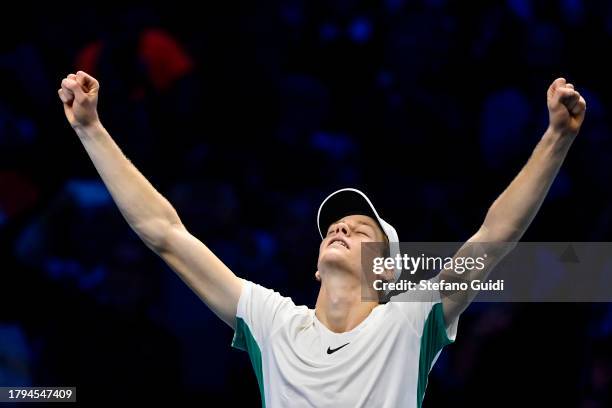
347 352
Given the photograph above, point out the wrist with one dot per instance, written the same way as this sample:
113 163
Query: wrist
558 140
89 129
562 130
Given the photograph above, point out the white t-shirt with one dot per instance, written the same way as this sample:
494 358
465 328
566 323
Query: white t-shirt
298 362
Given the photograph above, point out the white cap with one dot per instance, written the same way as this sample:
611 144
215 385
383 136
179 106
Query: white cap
350 201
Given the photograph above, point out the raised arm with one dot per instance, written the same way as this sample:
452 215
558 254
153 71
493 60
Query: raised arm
147 212
512 212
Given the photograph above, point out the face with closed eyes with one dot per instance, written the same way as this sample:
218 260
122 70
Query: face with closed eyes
341 247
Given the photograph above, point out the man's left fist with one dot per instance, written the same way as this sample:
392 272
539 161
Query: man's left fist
566 107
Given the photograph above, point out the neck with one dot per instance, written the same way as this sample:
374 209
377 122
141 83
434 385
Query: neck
339 305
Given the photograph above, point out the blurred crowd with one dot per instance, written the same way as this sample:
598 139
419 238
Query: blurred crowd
245 116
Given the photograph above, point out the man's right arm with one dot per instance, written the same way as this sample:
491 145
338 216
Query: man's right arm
147 212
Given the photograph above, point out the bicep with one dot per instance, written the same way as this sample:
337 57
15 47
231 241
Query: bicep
203 272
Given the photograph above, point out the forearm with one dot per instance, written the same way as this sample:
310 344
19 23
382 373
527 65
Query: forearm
510 215
146 210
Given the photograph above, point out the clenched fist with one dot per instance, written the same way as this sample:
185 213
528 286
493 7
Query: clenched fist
566 108
79 93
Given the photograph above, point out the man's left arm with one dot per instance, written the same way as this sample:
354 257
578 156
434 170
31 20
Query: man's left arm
512 212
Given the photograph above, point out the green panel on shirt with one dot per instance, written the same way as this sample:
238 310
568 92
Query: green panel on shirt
244 340
433 339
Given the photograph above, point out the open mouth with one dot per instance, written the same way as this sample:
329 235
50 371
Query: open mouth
338 242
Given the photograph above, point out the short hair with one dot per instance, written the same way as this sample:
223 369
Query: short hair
383 297
386 250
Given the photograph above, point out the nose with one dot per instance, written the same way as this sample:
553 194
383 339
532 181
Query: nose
341 227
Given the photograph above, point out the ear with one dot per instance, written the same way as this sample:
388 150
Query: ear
318 276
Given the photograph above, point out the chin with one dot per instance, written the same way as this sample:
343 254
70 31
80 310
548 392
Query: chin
337 260
334 259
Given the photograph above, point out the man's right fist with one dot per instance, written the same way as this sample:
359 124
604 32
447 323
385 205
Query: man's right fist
79 93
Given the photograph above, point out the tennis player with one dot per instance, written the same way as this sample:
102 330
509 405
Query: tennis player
346 352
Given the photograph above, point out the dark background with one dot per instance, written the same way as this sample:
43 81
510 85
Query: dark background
245 116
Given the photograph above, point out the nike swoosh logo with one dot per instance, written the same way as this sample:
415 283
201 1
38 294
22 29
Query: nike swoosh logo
329 350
